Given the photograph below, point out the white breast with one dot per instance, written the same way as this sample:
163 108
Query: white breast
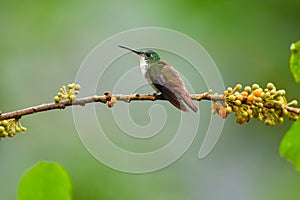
143 65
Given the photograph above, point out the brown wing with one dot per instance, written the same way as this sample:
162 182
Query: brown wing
167 80
180 89
171 97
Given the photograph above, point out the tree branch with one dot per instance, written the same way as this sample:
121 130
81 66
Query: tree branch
92 99
293 109
107 98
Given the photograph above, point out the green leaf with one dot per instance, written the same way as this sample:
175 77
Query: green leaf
45 180
295 61
290 145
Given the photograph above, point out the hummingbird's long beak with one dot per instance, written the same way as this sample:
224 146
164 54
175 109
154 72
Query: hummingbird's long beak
134 51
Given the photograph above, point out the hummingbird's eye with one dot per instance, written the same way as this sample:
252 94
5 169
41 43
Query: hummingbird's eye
148 55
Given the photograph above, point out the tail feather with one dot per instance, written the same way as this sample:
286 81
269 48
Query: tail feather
175 101
188 100
175 98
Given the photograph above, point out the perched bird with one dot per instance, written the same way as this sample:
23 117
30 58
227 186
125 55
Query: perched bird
164 79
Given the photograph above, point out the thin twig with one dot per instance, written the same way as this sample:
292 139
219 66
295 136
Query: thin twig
293 109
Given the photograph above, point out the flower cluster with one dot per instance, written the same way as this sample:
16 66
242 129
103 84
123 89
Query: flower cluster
10 127
73 90
266 104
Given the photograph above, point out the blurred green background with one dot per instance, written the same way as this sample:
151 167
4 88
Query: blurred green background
43 43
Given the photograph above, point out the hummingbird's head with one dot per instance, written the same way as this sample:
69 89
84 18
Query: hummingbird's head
146 56
149 56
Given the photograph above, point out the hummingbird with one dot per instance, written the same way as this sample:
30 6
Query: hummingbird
164 79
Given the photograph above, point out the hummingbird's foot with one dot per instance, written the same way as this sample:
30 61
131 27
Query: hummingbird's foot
158 95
